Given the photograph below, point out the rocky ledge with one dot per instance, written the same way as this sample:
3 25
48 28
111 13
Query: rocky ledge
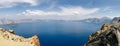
108 35
8 38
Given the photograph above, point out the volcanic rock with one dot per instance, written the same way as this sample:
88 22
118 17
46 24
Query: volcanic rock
8 38
108 35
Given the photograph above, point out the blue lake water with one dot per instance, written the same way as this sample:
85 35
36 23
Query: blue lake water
57 33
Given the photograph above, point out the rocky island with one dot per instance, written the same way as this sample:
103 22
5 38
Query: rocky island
108 35
8 38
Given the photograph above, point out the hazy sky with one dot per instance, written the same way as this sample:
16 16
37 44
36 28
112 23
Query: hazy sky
59 9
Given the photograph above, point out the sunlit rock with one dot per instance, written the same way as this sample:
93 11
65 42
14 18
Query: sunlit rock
8 38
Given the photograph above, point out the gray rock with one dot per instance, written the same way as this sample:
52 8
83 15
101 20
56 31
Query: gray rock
109 35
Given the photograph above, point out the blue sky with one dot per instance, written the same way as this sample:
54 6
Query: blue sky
59 9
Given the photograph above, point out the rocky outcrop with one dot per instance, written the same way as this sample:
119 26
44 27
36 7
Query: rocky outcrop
108 35
8 38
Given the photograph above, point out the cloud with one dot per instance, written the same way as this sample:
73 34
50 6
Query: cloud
63 11
11 3
107 8
66 13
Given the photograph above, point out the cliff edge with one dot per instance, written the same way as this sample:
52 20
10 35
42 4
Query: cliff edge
8 38
108 35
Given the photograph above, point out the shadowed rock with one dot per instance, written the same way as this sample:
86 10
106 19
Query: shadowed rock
109 35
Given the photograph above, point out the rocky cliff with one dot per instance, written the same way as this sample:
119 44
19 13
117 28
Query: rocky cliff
8 38
108 35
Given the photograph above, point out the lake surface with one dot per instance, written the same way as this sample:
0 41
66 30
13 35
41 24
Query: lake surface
57 33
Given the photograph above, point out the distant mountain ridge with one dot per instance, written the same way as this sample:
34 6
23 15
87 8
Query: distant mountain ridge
97 20
88 20
115 19
101 20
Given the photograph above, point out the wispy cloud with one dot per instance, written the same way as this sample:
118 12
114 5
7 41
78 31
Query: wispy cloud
63 13
11 3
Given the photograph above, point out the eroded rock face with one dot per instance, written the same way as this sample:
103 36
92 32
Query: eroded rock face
8 38
109 35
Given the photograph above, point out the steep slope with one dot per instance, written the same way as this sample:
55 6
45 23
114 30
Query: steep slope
8 38
108 35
